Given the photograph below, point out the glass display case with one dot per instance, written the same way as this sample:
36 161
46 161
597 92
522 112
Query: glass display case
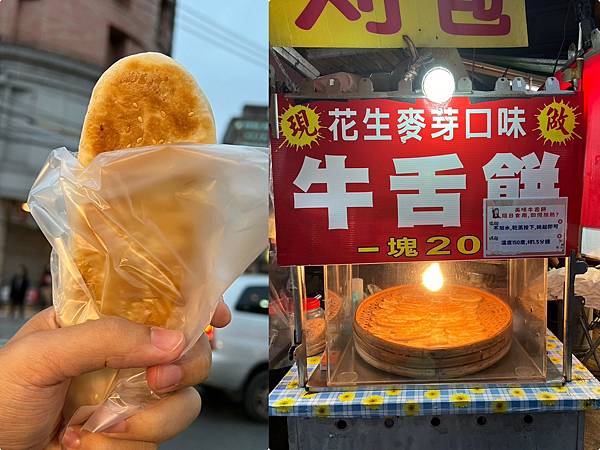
458 322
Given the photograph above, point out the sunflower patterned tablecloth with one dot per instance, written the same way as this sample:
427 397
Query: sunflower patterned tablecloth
288 399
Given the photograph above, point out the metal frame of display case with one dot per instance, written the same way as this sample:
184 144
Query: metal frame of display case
573 267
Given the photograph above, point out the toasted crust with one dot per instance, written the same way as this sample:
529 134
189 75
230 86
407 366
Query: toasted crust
142 100
145 99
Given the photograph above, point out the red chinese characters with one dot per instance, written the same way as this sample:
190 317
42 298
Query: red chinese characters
393 23
299 124
556 119
493 22
496 23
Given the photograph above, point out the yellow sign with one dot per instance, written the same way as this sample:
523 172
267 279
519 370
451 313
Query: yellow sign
300 126
557 122
382 23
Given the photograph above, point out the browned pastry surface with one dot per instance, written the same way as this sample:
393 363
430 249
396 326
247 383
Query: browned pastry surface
411 316
133 249
141 100
333 305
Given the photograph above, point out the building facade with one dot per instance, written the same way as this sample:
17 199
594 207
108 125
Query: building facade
51 54
251 128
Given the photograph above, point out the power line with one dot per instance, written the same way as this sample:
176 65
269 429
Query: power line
222 45
195 23
223 41
220 34
227 33
219 44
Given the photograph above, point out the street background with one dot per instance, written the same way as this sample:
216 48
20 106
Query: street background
51 54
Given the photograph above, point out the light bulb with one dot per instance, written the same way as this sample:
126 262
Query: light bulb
433 278
438 85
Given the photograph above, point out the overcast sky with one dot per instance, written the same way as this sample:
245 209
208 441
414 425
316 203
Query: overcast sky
229 80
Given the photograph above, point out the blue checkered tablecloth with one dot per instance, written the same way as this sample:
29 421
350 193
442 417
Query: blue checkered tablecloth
288 399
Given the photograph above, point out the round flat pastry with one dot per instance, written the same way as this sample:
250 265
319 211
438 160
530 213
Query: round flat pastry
414 332
333 305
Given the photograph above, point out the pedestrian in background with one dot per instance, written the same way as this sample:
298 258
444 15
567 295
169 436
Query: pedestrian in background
45 288
19 284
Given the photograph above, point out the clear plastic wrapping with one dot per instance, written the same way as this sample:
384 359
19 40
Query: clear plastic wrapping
155 235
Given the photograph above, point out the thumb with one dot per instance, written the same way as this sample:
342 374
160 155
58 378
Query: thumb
63 353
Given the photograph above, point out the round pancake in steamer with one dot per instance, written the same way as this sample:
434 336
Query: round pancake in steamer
142 100
414 332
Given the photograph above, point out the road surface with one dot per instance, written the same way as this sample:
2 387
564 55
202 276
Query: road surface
221 425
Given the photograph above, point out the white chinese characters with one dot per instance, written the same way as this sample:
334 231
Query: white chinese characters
427 206
374 121
485 133
444 122
425 193
510 122
539 179
410 124
341 121
335 175
508 176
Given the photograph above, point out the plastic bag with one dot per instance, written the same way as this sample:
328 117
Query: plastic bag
281 307
155 235
587 285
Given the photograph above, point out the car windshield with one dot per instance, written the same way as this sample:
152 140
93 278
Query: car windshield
254 299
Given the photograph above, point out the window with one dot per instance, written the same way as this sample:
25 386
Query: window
117 43
166 20
254 299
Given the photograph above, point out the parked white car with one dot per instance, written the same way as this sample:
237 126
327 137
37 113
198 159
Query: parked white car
240 350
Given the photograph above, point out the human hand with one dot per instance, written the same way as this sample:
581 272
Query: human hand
39 361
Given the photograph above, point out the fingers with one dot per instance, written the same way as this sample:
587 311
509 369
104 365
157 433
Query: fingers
163 420
222 315
77 439
59 354
44 320
193 368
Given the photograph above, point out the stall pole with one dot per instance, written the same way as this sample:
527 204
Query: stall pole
573 267
567 314
299 348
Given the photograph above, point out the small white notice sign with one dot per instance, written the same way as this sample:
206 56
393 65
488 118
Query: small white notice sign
524 227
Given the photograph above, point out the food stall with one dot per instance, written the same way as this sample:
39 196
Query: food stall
433 221
433 205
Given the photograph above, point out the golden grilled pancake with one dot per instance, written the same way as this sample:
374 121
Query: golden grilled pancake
141 100
412 331
134 245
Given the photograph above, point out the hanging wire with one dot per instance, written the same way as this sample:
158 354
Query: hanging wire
564 36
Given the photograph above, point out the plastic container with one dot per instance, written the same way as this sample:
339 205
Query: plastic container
314 327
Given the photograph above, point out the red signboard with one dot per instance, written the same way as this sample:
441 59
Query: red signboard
591 92
382 180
